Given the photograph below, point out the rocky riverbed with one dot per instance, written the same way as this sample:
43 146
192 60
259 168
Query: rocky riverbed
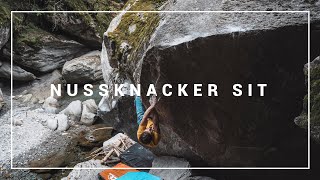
34 144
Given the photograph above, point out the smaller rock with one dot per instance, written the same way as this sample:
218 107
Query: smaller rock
34 100
73 111
52 124
26 98
84 69
89 110
17 122
51 105
41 101
63 124
90 174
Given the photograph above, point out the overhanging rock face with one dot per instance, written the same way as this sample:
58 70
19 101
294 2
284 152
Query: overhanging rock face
227 48
228 130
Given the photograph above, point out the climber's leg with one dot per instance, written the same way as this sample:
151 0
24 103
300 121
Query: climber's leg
139 109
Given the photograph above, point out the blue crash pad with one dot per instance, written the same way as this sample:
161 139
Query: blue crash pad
138 176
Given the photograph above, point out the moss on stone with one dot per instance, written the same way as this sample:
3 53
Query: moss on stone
314 100
4 13
145 26
31 35
99 21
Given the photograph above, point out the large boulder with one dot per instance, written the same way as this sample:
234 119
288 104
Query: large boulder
18 74
221 48
84 69
42 51
228 130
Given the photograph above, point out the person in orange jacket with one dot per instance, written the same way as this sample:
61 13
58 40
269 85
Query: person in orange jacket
149 131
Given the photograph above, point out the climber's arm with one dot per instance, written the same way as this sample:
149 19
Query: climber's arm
148 112
155 119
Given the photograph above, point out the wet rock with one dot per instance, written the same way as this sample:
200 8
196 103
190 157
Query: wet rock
18 73
84 69
41 51
73 111
51 105
90 174
167 162
89 110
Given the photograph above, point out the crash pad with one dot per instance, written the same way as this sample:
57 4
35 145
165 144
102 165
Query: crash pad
137 156
138 176
113 174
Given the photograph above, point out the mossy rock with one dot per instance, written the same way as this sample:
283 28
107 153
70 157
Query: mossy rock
145 24
32 36
5 14
314 100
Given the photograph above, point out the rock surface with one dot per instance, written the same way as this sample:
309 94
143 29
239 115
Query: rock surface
52 124
44 52
302 120
84 69
89 110
89 174
4 35
51 105
231 48
41 88
167 162
18 73
63 123
73 111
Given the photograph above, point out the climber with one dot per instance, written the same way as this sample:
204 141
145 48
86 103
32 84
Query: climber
148 131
